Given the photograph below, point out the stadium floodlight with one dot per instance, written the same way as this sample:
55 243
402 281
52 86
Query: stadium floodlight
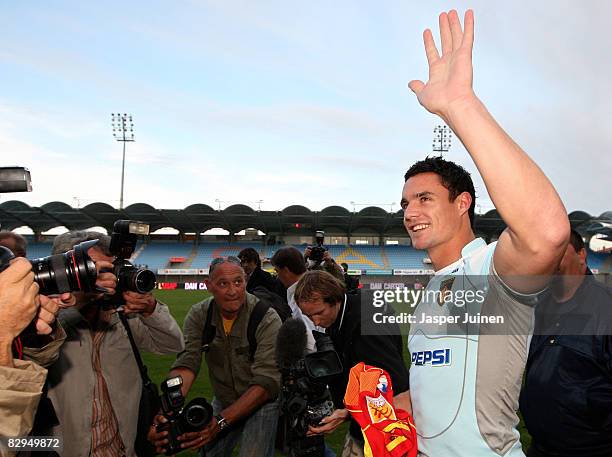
123 130
442 139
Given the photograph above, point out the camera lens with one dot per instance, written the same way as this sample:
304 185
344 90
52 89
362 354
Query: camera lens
321 368
69 272
197 413
323 364
135 279
144 281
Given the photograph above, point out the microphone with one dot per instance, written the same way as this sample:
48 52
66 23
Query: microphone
290 343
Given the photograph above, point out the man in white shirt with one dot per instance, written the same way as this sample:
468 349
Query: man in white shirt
465 385
290 267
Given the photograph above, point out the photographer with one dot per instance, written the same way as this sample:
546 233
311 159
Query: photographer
245 379
317 257
21 382
323 299
22 376
95 386
41 343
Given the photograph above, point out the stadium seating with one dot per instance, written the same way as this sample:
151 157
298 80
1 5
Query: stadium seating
36 250
406 257
157 254
358 257
600 262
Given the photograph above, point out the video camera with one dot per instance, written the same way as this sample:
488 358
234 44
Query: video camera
317 252
181 419
305 396
122 246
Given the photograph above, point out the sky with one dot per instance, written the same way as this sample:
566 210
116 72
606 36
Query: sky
275 103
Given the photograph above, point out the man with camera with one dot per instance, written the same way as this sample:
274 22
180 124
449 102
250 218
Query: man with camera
323 299
24 354
95 386
237 333
21 382
318 258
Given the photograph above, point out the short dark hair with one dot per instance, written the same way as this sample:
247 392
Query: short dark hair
66 241
319 284
250 255
290 258
576 240
15 242
452 176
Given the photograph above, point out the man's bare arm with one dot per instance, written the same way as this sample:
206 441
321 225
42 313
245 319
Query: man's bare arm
188 378
538 228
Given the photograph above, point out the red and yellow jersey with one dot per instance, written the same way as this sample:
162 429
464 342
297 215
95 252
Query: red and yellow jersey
369 399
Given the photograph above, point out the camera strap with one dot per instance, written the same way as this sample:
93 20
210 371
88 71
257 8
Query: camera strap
149 404
258 313
146 381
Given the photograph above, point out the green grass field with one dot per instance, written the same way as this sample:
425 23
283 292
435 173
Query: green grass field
179 302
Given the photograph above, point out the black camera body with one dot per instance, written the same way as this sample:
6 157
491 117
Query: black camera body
122 246
181 418
305 397
318 251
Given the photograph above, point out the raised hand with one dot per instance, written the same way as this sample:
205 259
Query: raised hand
450 75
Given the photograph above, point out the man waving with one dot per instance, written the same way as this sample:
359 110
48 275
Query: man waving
465 379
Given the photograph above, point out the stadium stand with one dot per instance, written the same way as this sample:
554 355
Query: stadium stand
36 250
406 257
599 262
157 254
295 220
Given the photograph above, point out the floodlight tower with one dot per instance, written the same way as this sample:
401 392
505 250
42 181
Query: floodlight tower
123 130
442 139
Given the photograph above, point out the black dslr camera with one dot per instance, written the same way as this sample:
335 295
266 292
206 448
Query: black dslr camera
72 271
305 396
122 246
181 419
317 252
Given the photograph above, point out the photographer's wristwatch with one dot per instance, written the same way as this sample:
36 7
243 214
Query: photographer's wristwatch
221 422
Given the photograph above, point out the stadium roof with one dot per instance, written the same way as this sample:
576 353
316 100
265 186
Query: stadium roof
294 219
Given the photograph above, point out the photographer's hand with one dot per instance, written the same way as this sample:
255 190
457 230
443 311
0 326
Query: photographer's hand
329 423
158 438
106 280
307 253
195 440
139 303
18 298
49 307
18 304
327 257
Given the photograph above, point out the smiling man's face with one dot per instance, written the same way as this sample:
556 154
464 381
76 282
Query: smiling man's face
429 217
